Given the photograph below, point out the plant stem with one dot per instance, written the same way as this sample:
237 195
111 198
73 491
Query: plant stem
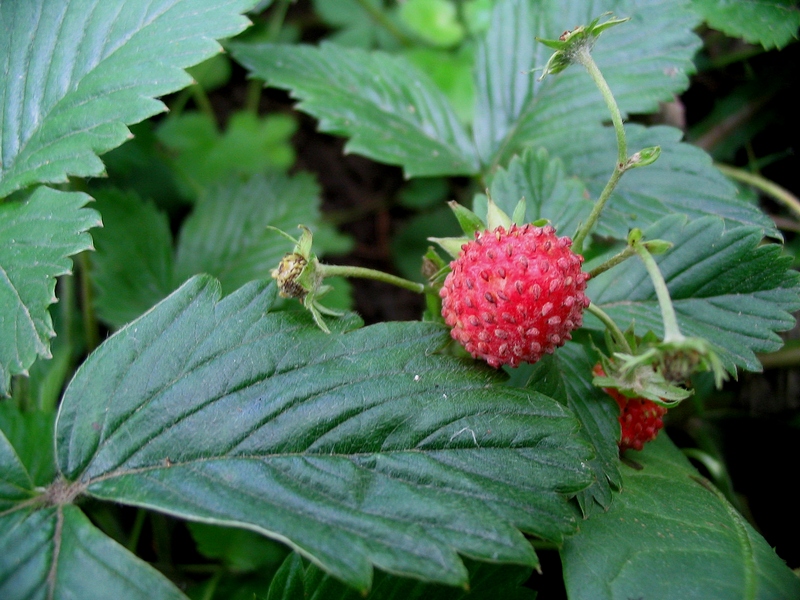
612 327
90 329
136 530
612 262
583 56
203 103
672 332
381 19
776 192
364 273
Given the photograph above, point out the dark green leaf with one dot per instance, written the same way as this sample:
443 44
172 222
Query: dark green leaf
75 72
36 239
31 436
391 112
358 449
288 581
227 235
771 23
486 582
239 549
132 268
56 552
645 61
567 377
670 534
725 286
15 483
548 192
683 181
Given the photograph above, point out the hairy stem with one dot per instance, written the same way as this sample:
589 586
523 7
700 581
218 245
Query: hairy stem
364 273
583 56
613 261
672 332
611 325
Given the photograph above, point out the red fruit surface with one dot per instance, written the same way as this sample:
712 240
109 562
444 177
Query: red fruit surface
640 419
514 295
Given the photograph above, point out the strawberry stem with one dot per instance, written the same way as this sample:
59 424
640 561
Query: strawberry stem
583 56
672 332
364 273
611 325
612 262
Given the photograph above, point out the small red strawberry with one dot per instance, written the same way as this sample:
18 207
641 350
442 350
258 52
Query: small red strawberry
639 418
514 294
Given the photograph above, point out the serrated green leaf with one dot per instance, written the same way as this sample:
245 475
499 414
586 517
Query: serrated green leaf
670 534
486 582
548 192
15 483
133 266
452 72
31 436
227 234
76 72
771 23
56 552
682 181
37 237
567 377
358 449
725 286
354 22
390 111
644 61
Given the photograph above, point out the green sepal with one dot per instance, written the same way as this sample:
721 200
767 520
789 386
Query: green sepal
470 222
496 216
451 245
518 216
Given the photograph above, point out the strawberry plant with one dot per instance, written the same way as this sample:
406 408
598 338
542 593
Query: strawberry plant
200 410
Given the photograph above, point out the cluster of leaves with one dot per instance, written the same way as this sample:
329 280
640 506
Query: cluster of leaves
366 447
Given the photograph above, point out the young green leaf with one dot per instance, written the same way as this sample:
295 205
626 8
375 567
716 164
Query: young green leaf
37 237
771 23
358 449
725 287
75 72
514 110
391 112
670 534
288 581
56 552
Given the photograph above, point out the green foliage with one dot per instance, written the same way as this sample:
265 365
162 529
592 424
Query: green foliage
771 23
374 461
671 534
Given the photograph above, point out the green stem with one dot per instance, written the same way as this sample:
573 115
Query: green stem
212 585
203 103
612 262
136 530
364 273
612 327
90 328
381 19
776 192
672 332
584 57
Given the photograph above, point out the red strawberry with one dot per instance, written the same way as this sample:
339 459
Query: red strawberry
514 295
640 419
